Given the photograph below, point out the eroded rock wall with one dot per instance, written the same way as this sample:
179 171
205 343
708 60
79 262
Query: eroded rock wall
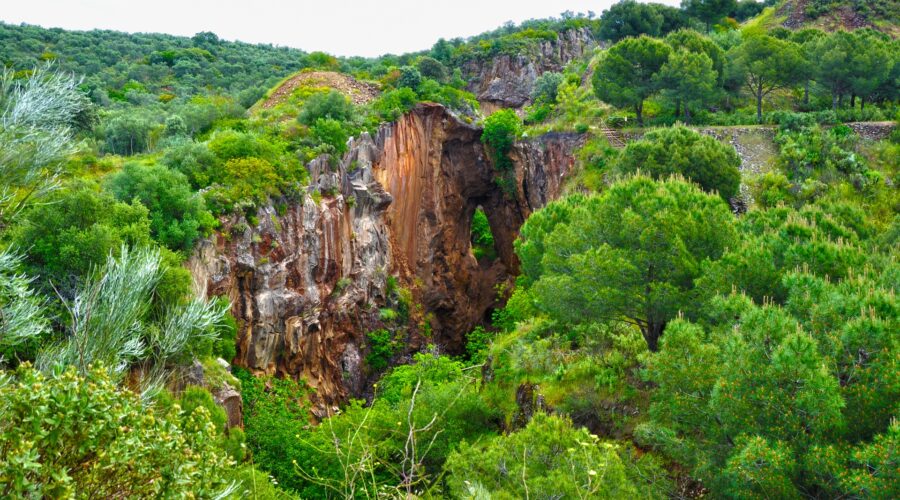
307 282
505 81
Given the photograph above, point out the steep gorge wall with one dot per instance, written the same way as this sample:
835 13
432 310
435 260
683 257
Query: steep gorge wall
505 81
307 282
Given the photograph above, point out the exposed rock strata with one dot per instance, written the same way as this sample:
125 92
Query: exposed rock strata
307 282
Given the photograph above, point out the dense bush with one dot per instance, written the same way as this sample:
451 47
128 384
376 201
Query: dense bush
178 217
65 239
548 459
332 105
421 413
501 130
546 87
680 150
95 439
275 413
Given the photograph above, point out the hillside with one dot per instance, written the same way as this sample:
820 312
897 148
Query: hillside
832 15
646 254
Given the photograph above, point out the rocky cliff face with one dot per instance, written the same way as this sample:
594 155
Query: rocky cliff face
505 81
307 282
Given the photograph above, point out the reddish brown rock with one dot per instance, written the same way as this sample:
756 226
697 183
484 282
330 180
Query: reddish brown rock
307 282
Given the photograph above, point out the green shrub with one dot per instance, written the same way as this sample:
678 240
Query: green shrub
326 105
477 343
482 237
392 104
97 439
430 67
127 134
547 459
194 160
680 150
178 217
501 130
409 78
546 87
76 230
381 349
276 412
331 132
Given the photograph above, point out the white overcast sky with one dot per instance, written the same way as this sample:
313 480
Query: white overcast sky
340 27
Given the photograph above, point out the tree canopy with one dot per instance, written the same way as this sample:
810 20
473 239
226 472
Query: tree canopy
624 77
630 254
679 150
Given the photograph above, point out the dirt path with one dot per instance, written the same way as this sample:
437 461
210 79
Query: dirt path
359 92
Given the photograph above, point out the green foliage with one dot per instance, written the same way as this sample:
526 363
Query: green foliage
430 67
409 78
113 322
97 439
546 88
177 216
501 130
624 76
66 238
382 348
692 41
782 392
127 134
548 459
392 104
708 11
22 315
332 133
680 150
194 160
477 344
765 64
275 411
421 413
250 179
629 18
482 237
688 78
38 115
630 254
326 105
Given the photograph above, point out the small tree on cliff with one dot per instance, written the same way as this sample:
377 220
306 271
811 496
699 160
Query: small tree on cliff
501 130
624 77
630 254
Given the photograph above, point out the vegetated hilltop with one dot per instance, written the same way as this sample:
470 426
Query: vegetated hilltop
358 92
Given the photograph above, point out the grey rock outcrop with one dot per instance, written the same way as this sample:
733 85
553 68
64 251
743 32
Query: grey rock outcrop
505 81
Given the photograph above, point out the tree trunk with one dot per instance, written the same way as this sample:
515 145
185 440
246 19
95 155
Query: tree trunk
852 100
652 333
862 103
638 110
834 102
687 115
759 106
840 100
806 93
677 108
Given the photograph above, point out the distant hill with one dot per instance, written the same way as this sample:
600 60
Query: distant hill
832 15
